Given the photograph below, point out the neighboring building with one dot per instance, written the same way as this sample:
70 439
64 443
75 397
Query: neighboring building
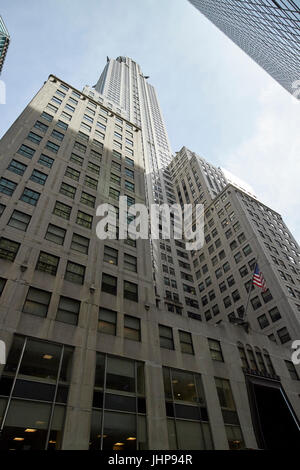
4 42
239 230
94 361
267 30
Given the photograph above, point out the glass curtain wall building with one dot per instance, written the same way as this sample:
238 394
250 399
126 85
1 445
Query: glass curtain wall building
267 30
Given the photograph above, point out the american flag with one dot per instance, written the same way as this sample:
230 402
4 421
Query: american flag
258 279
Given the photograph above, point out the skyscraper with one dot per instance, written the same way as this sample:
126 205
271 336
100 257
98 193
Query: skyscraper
4 42
95 360
267 30
124 87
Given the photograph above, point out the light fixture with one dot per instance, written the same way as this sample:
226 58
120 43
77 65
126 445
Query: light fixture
174 381
18 438
39 422
191 385
131 439
119 444
52 442
104 435
30 430
47 356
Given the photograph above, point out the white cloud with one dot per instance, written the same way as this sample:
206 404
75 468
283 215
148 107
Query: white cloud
269 159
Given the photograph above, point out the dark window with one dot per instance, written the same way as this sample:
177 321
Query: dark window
166 337
130 291
109 284
132 328
8 249
68 310
47 263
37 302
75 272
30 196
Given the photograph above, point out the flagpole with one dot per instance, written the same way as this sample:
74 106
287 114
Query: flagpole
249 290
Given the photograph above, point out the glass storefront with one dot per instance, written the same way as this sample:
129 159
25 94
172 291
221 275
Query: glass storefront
119 405
33 395
188 423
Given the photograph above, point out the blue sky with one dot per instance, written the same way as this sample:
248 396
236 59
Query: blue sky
214 98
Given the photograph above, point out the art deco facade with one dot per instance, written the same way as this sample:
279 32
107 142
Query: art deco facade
94 361
4 42
267 30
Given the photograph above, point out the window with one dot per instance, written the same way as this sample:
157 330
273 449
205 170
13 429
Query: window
256 303
247 250
166 337
75 273
129 186
2 209
130 262
230 416
109 284
47 263
65 115
45 160
129 162
132 328
110 255
114 193
130 291
267 296
243 271
52 146
52 108
116 166
185 399
30 196
215 350
8 249
129 173
19 220
238 257
87 199
76 159
68 190
90 182
116 179
292 370
37 302
80 243
84 219
227 301
93 168
62 210
72 173
17 167
107 321
235 295
186 342
68 310
55 234
47 116
35 138
38 177
274 314
57 135
7 187
62 125
283 335
263 321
